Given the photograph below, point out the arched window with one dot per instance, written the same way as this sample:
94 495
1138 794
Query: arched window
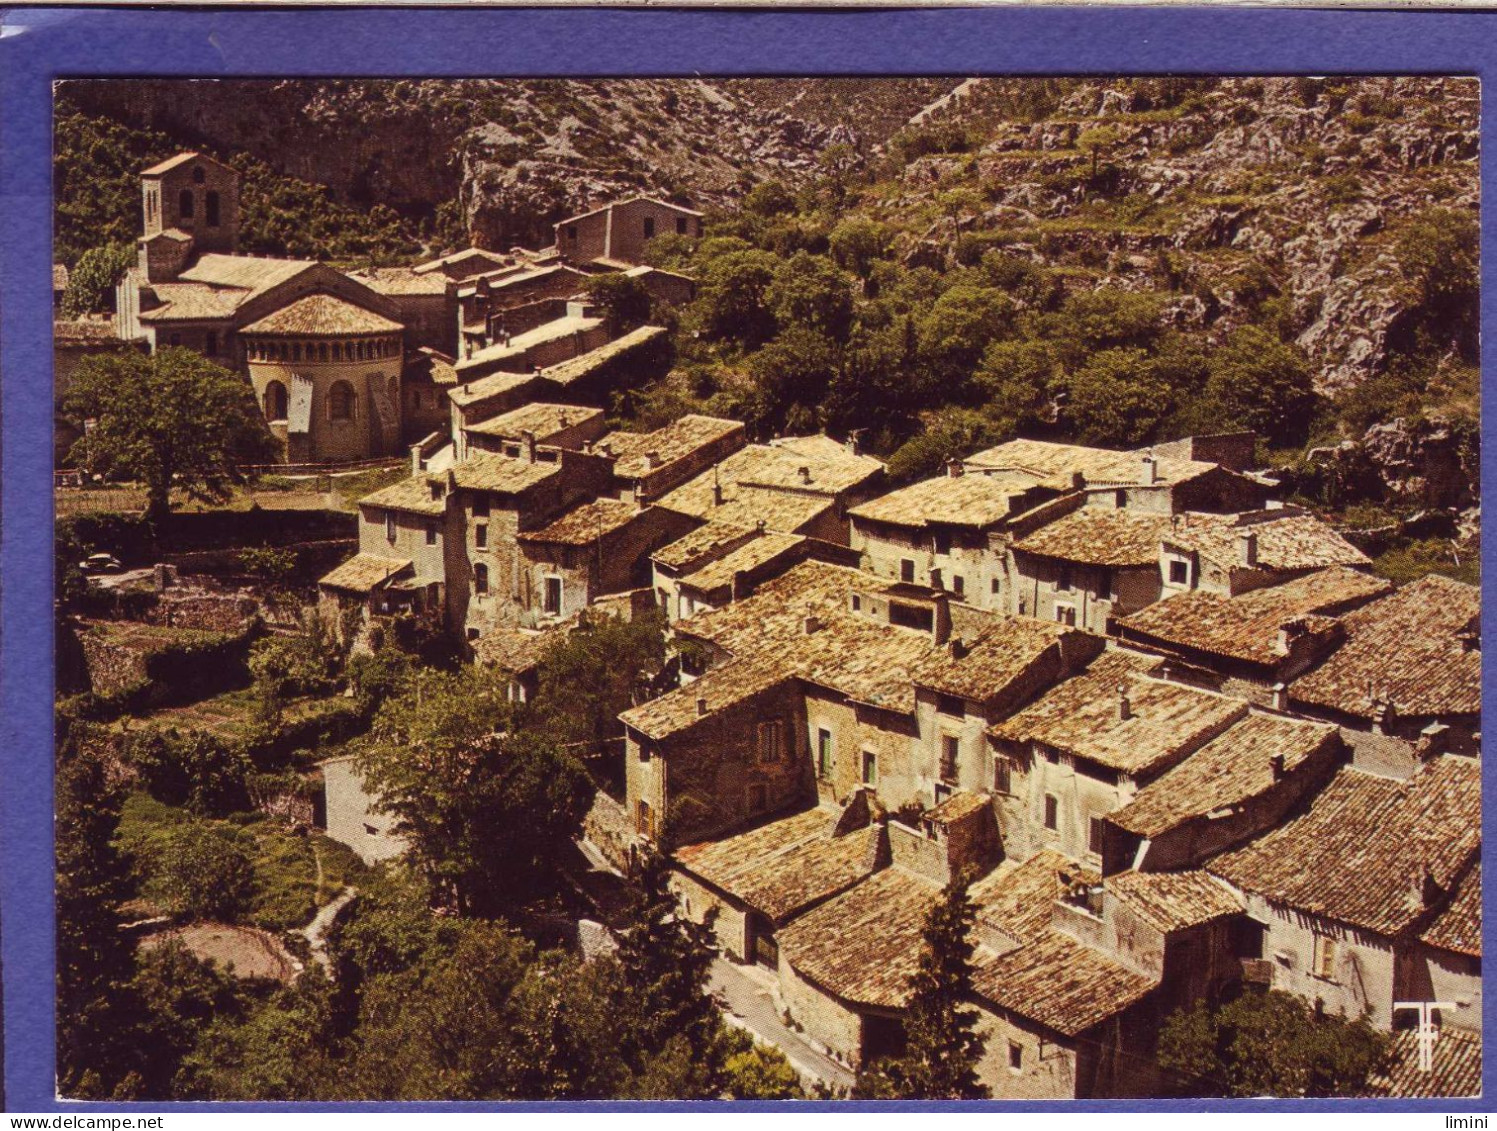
275 401
363 350
341 401
480 579
337 351
321 351
210 343
210 207
295 351
184 204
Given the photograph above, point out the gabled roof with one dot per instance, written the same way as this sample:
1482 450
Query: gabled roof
364 572
676 441
785 865
192 302
1054 464
627 200
1083 717
1093 536
1286 540
516 650
1368 848
1458 927
1060 983
963 500
707 541
250 273
980 668
412 495
544 420
486 388
584 364
1230 770
518 345
1018 898
401 281
1414 647
1454 1070
484 471
585 524
1246 627
753 554
864 945
171 163
1174 901
322 315
467 254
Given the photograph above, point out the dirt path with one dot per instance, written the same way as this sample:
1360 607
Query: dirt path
315 932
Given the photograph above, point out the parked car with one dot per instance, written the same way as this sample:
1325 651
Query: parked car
100 563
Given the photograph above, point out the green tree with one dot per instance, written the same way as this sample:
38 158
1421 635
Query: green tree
1269 1044
1258 382
282 1047
93 278
97 1049
1438 254
1116 399
172 420
857 243
200 870
586 678
1015 379
624 301
732 301
487 811
192 770
942 1044
758 1073
794 369
960 326
181 998
810 291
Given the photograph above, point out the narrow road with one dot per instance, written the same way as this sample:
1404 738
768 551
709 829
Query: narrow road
315 932
750 1006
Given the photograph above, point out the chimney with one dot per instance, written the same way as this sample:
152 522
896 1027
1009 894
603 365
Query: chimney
812 622
717 494
941 622
639 496
804 474
1382 716
1125 708
604 449
652 460
701 705
451 480
415 459
1434 740
565 420
1149 470
527 439
1247 549
956 647
854 444
759 527
1078 481
739 585
1276 764
1280 696
954 468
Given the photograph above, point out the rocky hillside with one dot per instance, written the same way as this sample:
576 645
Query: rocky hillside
520 154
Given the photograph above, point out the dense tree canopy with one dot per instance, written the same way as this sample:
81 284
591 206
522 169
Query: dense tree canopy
171 420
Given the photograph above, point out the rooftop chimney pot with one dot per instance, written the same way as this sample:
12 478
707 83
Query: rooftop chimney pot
804 473
701 705
1149 470
1125 707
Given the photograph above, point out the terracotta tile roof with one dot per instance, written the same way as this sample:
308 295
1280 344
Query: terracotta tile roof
585 524
1362 851
474 254
364 572
864 945
485 471
1229 770
1082 716
1294 541
244 272
573 369
486 388
192 302
630 200
517 346
1094 536
787 512
753 554
1017 898
1058 982
85 332
786 865
1173 901
765 634
401 281
1455 1067
702 544
1409 647
1458 927
1004 650
320 316
412 495
1246 627
963 500
438 365
545 420
515 650
957 807
172 162
679 440
1054 463
678 711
